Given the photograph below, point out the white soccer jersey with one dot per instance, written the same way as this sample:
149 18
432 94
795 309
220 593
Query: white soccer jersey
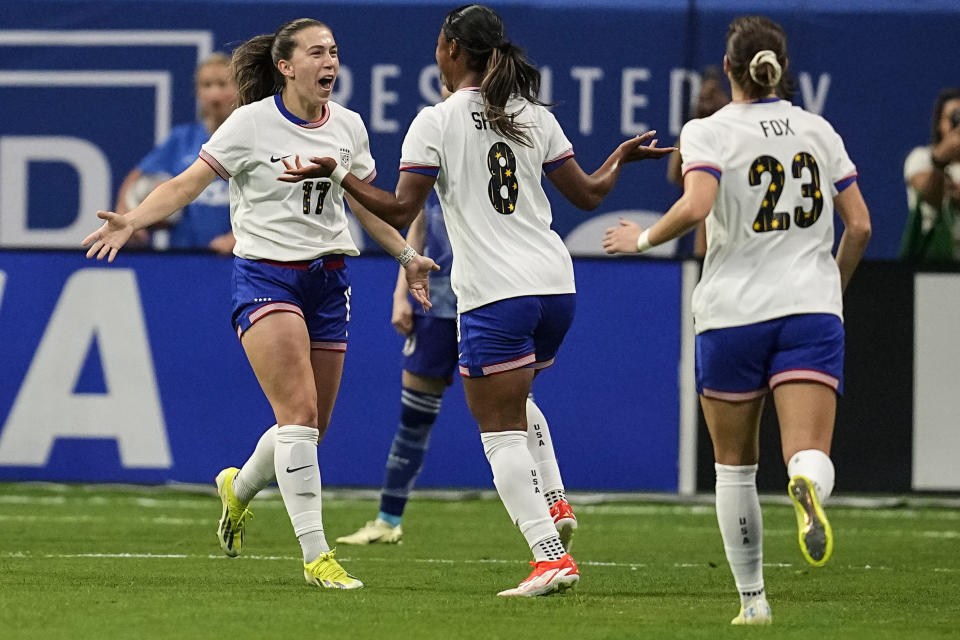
770 233
281 220
497 215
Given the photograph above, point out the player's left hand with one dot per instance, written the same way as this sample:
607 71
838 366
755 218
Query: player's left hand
623 238
322 168
637 148
418 279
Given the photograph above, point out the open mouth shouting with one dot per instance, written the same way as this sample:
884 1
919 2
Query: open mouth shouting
326 82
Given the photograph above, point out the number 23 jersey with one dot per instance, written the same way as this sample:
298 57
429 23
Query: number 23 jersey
770 233
497 215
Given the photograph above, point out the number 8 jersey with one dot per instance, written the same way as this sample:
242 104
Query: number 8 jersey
497 215
770 233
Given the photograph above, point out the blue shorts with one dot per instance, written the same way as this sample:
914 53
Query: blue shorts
742 363
513 333
318 291
431 348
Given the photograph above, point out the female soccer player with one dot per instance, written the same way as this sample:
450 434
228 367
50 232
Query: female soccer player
429 359
291 293
485 148
768 308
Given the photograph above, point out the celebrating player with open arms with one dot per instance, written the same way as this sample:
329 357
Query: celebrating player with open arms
485 149
767 177
291 288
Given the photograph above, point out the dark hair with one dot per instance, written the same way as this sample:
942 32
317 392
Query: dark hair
946 95
255 61
746 37
506 71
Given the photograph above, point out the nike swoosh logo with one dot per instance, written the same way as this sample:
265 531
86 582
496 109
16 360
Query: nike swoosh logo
289 470
278 158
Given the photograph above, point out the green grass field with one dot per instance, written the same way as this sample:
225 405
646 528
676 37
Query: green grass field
79 562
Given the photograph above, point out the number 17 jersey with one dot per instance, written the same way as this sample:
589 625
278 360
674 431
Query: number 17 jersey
770 233
497 215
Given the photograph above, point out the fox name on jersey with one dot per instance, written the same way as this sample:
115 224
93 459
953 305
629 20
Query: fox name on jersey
278 220
503 245
779 168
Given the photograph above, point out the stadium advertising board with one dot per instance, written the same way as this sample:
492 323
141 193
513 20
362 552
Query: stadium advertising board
132 373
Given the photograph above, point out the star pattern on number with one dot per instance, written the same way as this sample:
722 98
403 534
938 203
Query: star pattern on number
510 206
508 173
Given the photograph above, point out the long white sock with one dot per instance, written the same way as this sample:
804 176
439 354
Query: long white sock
817 467
298 475
257 472
741 526
540 444
516 478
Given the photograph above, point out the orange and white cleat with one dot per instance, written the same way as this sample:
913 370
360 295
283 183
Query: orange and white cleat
547 577
564 521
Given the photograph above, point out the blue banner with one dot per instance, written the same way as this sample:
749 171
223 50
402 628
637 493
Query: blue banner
87 88
132 373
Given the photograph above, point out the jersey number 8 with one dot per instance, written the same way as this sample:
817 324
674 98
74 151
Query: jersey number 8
503 187
767 218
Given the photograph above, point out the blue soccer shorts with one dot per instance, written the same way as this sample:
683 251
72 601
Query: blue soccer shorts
431 348
318 291
513 333
743 363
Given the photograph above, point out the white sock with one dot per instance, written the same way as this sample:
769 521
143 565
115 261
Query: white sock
516 478
540 445
816 466
741 526
298 474
257 472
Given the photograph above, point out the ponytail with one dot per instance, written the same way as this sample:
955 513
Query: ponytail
506 71
757 53
257 77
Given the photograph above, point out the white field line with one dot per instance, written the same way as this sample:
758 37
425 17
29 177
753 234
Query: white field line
632 566
192 522
273 501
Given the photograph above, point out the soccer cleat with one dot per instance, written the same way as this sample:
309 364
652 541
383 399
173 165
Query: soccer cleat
547 577
326 572
816 536
756 611
564 521
233 519
372 532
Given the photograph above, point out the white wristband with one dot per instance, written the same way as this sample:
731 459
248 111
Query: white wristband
338 174
643 242
408 254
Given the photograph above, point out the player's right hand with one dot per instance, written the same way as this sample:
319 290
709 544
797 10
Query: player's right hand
108 239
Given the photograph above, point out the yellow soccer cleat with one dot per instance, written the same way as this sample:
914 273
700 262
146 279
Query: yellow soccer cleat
816 536
326 572
234 516
754 612
375 531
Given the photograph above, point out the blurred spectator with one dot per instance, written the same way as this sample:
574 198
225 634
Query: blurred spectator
932 175
713 95
205 223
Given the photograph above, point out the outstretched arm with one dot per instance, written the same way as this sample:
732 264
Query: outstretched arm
170 196
699 191
397 209
587 191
